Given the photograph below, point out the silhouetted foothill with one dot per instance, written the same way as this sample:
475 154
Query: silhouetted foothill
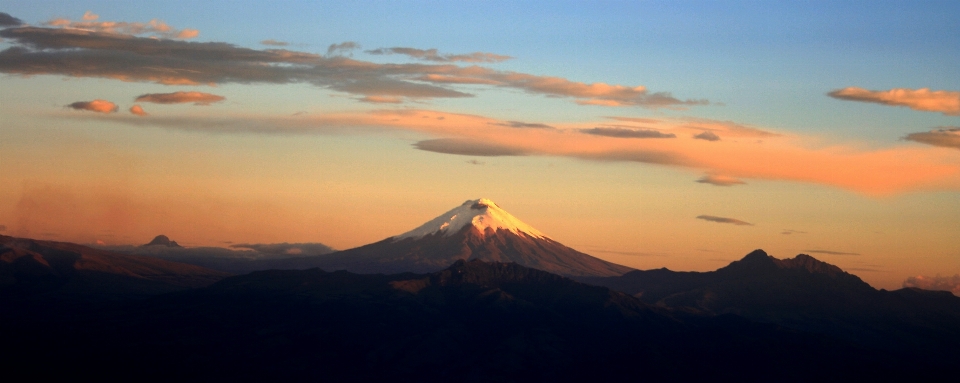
162 240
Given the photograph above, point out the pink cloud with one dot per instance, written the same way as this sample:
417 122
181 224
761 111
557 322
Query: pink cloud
942 101
99 106
153 27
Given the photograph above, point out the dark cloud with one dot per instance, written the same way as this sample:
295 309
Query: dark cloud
627 133
468 147
343 49
720 180
951 284
286 248
3 228
789 232
197 98
9 21
526 125
708 136
724 220
432 55
90 53
475 162
947 137
829 252
99 106
274 43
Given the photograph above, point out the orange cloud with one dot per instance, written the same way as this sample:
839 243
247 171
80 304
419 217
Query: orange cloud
942 101
780 157
136 109
154 27
99 106
197 98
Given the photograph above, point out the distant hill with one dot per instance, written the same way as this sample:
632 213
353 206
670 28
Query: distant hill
33 269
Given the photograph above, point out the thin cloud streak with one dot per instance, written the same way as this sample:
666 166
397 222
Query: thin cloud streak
716 219
433 55
628 133
946 102
197 98
830 252
720 180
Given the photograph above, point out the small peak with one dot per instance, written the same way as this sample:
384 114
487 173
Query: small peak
162 240
756 254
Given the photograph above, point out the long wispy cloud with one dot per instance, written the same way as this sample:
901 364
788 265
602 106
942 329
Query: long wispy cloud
869 171
197 98
116 51
946 137
628 133
716 219
946 102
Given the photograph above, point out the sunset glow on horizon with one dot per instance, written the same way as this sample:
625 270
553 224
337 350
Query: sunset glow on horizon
650 134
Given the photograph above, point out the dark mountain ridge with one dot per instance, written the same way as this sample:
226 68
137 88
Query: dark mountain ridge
805 294
474 321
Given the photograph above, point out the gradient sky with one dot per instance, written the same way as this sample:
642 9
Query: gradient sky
648 133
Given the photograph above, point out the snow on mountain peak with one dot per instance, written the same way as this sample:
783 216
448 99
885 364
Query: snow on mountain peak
481 213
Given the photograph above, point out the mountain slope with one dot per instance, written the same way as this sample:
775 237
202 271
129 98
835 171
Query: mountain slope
477 229
32 269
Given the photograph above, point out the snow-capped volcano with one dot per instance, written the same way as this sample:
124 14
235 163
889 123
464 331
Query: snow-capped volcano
477 229
481 213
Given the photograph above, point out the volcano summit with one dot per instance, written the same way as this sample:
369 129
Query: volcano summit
477 229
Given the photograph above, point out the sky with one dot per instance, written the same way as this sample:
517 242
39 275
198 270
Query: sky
674 134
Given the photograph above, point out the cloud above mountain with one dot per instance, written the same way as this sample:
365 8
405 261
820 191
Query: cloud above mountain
946 102
951 284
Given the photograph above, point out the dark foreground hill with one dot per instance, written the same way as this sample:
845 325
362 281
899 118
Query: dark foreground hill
806 294
474 321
